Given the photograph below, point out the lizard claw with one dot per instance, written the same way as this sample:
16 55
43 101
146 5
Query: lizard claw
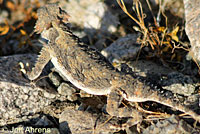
23 70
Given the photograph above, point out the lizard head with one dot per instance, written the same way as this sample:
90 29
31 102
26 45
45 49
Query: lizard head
48 14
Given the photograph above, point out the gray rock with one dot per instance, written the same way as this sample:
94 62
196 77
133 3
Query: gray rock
80 122
178 83
43 122
54 131
67 90
95 17
172 125
147 68
91 14
99 45
122 49
192 26
49 95
98 17
55 78
77 10
20 100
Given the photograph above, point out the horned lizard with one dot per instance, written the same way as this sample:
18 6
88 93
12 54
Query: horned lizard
88 70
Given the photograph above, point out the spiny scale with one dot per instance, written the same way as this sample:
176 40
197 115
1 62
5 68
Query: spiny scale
88 70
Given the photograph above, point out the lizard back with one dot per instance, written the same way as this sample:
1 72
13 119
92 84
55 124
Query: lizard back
83 66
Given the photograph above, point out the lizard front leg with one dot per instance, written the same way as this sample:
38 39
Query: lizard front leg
42 60
113 102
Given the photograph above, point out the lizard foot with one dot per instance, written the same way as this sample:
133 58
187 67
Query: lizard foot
24 69
131 122
113 108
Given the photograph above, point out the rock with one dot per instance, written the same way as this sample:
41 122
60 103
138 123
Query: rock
20 100
67 90
99 45
93 104
77 10
54 131
55 78
80 122
192 27
193 102
172 125
178 83
49 95
91 14
95 17
125 48
98 17
147 68
43 122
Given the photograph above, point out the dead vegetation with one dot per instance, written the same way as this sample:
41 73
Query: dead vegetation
19 24
165 42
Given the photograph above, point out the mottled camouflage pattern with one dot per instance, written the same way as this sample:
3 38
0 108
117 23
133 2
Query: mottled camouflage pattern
88 70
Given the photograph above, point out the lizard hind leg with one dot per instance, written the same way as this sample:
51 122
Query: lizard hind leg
113 102
42 60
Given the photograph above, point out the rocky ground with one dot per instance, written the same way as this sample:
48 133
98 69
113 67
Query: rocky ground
51 104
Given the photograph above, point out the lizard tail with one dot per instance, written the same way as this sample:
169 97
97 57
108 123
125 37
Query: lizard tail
177 105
